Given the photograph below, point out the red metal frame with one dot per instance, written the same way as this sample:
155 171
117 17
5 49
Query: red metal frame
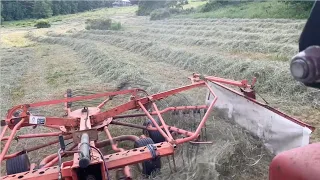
77 122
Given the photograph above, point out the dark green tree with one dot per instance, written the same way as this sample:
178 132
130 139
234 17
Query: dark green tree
82 6
8 10
56 7
19 9
28 7
74 6
42 9
65 7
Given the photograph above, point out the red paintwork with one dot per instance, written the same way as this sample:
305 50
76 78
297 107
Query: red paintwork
36 147
33 135
297 164
77 113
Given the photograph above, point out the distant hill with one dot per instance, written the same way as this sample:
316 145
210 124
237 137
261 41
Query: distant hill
251 9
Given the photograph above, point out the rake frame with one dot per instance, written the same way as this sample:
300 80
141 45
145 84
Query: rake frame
90 120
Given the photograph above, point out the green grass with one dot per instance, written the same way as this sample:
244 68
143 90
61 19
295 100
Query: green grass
269 9
54 79
17 93
194 4
98 13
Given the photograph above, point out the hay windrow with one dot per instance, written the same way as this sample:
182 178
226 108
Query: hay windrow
226 34
238 20
273 78
277 44
234 28
294 25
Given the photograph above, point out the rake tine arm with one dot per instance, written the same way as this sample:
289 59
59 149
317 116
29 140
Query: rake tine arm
177 108
48 121
242 83
134 104
203 121
155 122
25 107
165 126
104 102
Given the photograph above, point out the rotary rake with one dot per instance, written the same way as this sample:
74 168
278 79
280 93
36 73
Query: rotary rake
77 131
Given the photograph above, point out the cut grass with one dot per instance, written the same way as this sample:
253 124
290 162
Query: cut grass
267 9
138 58
273 78
54 79
40 73
230 145
15 39
17 93
227 41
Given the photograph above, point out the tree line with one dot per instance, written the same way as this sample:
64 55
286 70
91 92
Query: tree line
17 10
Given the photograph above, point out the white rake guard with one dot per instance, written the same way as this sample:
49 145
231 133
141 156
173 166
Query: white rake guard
278 132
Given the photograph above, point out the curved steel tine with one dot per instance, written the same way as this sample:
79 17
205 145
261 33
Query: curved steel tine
180 114
169 164
182 155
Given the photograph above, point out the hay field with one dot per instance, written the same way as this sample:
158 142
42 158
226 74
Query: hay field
159 55
231 48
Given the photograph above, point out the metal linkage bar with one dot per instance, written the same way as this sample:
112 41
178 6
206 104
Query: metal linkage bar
243 83
26 136
52 122
35 148
171 128
98 118
55 160
126 169
177 108
165 126
73 99
155 123
59 121
13 133
118 138
103 103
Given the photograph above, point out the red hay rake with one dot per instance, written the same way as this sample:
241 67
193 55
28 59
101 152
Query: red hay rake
82 126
